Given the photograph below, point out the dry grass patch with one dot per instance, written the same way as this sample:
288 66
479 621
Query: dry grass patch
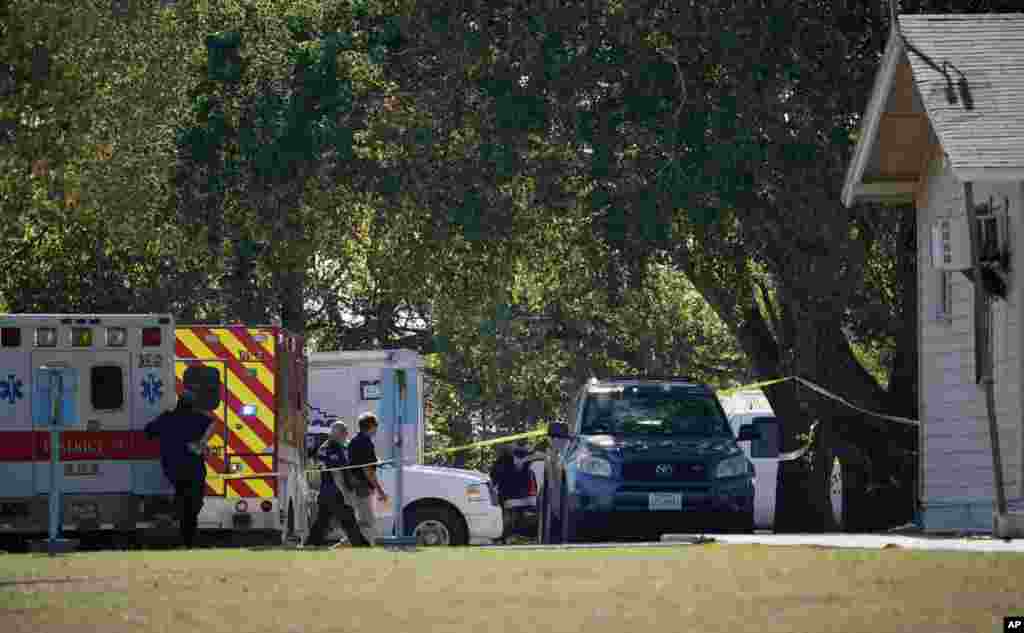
690 588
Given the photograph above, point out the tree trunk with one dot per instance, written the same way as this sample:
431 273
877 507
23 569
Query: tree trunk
903 385
293 313
461 431
820 353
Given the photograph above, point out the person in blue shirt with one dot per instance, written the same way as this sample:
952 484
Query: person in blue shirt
183 433
332 501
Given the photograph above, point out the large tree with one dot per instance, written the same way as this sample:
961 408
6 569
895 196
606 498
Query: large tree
710 138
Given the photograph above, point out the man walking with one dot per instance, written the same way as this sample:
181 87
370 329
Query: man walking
364 481
183 434
332 500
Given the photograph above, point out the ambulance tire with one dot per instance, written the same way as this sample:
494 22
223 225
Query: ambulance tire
14 544
434 524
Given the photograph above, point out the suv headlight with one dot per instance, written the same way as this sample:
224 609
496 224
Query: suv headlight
736 466
475 492
594 466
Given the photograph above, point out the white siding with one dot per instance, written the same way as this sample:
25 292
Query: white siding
956 458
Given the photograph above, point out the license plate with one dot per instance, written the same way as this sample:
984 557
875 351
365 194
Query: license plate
75 469
666 501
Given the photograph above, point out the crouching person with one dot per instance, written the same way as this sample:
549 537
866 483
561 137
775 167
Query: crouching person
332 500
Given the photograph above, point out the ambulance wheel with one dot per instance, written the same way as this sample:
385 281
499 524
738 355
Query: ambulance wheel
435 525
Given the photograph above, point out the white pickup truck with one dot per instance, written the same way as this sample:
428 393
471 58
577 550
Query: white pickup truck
441 506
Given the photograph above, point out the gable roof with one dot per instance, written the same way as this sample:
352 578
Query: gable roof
984 141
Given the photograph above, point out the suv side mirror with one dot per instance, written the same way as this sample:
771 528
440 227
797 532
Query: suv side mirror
559 430
748 433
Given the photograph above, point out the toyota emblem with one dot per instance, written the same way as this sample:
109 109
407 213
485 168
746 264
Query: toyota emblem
664 469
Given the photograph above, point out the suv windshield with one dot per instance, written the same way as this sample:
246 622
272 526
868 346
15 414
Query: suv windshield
653 410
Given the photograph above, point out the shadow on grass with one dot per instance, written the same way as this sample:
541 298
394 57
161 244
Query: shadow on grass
42 581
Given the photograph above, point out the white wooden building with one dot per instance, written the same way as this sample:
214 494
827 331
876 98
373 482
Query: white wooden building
947 109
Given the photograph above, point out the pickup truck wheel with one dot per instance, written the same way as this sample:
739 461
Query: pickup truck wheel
435 525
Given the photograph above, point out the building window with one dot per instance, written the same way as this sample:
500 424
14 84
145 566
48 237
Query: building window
107 387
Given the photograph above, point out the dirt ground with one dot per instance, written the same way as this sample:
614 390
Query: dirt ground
702 588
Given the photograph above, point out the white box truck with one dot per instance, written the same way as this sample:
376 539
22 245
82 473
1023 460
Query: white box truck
441 506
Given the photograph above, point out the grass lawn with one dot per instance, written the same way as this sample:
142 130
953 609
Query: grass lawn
702 588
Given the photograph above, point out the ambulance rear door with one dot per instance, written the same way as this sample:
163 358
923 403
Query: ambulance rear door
96 451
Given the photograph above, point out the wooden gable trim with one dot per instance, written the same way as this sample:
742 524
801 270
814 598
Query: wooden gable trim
894 52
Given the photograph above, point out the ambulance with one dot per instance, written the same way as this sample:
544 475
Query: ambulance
256 488
440 506
118 374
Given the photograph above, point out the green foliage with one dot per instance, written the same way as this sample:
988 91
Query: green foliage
532 196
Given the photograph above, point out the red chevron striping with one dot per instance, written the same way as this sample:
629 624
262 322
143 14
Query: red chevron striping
242 488
241 334
236 445
243 452
181 350
253 422
237 369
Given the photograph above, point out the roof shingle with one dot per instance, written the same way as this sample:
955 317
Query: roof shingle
988 49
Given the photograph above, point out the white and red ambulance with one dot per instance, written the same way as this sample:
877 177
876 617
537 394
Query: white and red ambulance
122 376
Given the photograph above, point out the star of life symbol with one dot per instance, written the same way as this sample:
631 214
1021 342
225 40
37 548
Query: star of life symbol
10 389
152 388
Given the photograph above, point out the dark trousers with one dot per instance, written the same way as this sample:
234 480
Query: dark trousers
188 501
333 505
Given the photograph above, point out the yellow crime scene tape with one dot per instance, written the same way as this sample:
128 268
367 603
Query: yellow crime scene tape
444 451
789 456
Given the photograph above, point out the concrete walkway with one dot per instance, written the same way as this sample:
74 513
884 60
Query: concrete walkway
867 541
857 541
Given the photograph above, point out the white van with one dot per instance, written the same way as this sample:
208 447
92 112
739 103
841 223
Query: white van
764 453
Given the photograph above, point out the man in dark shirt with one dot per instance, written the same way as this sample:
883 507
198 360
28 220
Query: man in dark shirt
183 434
511 474
364 480
332 502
